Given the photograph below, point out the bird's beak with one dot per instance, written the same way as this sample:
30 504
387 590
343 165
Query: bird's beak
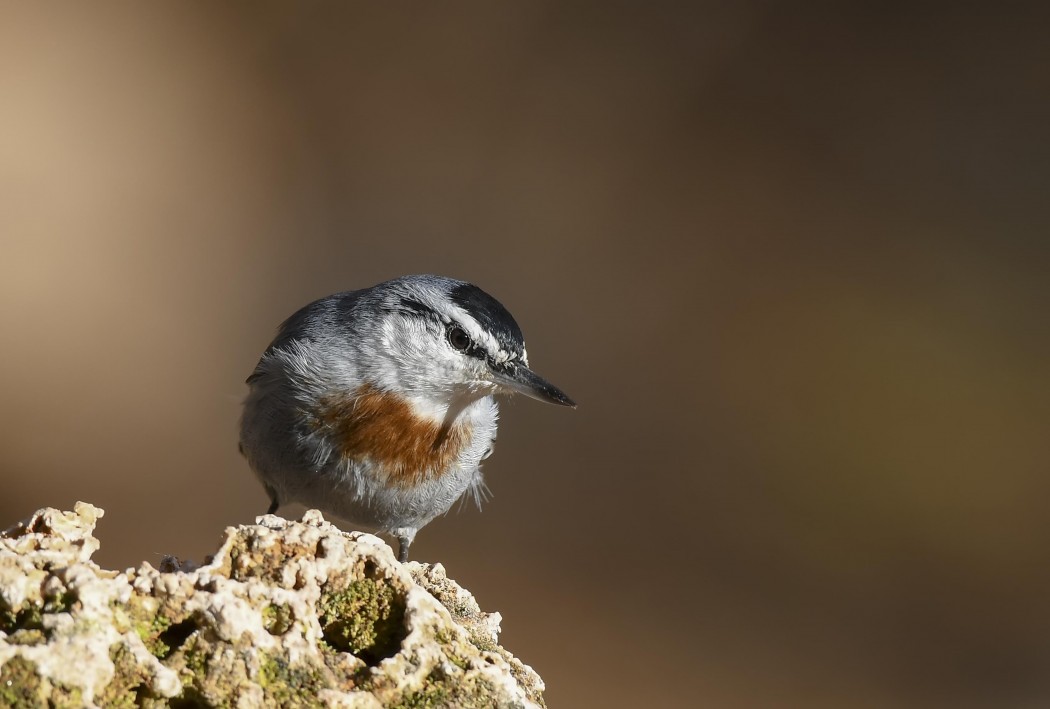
519 378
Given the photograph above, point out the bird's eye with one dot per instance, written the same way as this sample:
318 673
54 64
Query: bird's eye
459 339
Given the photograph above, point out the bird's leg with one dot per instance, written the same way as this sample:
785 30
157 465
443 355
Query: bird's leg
274 502
405 535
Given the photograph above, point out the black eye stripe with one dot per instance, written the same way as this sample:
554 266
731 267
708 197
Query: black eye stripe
455 334
491 315
414 307
460 341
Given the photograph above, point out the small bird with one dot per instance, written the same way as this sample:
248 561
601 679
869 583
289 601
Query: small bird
376 405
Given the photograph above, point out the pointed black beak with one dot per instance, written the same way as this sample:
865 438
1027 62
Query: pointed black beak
519 378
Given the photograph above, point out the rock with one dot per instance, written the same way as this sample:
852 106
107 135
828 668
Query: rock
285 614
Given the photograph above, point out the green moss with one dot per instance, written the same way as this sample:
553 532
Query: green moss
66 698
290 685
62 603
253 559
277 618
192 660
25 625
150 631
366 618
460 610
483 642
460 662
448 644
194 665
163 629
27 617
143 615
429 698
191 698
121 620
20 686
28 636
441 690
128 680
8 617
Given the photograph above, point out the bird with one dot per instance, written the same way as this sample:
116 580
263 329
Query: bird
376 406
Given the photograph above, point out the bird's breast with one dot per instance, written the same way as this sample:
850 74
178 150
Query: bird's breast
382 426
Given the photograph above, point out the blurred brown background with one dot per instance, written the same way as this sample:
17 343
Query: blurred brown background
791 259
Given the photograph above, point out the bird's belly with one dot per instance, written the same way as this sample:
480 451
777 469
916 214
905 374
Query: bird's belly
361 495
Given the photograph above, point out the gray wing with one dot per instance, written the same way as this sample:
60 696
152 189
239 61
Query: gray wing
309 323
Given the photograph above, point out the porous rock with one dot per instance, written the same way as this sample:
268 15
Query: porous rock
286 613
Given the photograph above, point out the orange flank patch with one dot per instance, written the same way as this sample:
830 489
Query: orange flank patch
381 426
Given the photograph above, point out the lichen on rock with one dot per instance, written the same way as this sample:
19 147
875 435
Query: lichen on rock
285 614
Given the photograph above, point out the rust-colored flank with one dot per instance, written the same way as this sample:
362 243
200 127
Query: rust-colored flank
381 426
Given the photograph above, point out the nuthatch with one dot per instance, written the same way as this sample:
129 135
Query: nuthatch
376 405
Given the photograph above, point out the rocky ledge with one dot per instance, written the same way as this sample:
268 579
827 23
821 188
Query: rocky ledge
285 614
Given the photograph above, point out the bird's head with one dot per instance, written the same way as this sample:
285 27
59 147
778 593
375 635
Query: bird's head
445 339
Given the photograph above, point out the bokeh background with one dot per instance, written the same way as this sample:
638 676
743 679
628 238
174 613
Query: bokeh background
791 259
